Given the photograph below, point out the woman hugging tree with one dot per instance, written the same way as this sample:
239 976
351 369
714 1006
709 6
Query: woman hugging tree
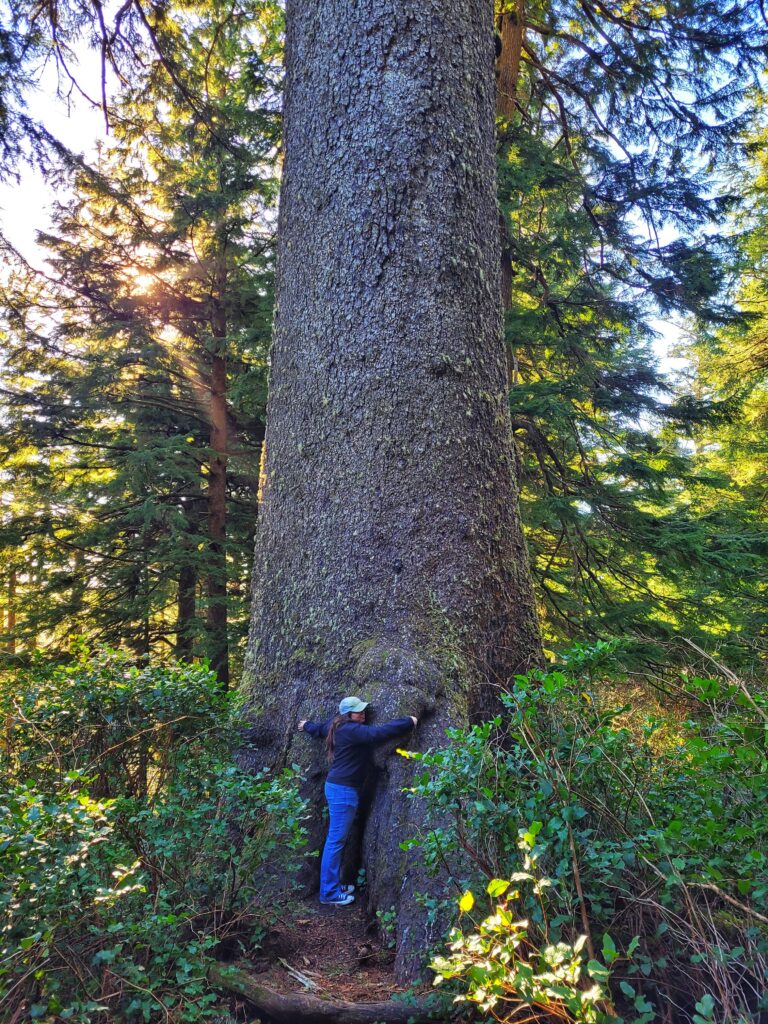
349 745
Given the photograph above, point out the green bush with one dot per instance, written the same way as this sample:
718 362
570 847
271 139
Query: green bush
132 848
654 828
124 726
502 969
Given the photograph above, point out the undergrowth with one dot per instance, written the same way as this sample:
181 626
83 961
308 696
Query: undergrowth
644 842
132 849
605 855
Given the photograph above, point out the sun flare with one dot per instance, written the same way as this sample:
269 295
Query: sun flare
140 282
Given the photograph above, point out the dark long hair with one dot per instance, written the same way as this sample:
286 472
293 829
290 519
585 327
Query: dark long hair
330 739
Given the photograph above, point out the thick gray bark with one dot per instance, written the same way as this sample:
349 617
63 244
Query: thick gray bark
390 559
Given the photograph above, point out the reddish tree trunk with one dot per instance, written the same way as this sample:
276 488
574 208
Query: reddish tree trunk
218 644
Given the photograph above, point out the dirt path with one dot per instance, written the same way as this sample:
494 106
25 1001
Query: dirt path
336 949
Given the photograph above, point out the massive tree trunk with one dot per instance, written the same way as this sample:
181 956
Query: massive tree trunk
390 559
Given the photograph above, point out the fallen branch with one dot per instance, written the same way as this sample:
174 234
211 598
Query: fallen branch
729 899
298 1008
301 978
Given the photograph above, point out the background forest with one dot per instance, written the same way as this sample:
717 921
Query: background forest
633 198
135 367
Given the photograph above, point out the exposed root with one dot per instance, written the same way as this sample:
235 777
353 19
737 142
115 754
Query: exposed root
297 1008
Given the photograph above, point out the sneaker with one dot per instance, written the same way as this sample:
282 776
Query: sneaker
347 888
341 900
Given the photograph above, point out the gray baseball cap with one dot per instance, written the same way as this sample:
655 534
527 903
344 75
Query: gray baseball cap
352 704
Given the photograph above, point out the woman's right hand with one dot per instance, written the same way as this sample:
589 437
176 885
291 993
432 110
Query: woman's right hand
301 725
414 720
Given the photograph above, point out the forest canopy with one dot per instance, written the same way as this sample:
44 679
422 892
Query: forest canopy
628 151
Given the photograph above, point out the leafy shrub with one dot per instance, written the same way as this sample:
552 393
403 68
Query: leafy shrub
122 725
112 906
503 971
656 830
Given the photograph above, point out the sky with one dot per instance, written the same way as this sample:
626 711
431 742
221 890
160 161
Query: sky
24 206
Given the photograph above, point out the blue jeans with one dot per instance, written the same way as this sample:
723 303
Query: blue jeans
342 807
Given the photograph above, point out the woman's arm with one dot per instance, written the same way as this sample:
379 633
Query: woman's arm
358 733
319 730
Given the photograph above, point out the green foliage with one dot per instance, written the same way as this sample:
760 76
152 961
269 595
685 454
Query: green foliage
604 456
126 726
115 904
727 370
387 920
611 163
134 374
644 826
502 970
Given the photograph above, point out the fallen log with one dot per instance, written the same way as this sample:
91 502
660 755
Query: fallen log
299 1008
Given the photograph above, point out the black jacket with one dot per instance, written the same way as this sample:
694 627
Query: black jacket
353 746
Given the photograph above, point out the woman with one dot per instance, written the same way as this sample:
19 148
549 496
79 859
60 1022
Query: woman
349 745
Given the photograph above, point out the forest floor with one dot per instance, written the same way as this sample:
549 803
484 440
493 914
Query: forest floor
339 950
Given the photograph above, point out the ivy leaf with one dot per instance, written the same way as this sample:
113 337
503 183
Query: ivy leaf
466 902
706 1007
497 887
529 837
609 949
598 971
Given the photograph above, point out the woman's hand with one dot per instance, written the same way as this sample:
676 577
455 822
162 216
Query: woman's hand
301 725
414 720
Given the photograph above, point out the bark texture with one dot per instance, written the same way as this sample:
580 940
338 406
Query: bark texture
512 40
390 559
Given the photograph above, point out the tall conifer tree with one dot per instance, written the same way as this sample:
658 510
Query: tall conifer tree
389 552
611 124
162 289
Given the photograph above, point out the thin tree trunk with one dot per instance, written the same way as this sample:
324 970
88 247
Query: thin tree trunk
11 615
217 510
185 612
390 558
146 624
512 37
508 74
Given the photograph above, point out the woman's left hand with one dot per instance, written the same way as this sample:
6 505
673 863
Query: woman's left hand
301 725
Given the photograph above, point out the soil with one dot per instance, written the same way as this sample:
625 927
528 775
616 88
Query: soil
337 949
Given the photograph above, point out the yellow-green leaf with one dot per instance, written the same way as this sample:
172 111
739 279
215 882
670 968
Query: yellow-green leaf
466 902
497 887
